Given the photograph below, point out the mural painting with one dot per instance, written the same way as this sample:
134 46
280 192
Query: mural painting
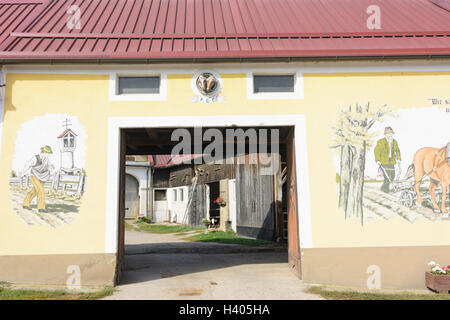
48 179
393 164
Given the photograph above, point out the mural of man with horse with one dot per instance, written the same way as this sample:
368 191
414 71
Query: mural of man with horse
435 163
387 156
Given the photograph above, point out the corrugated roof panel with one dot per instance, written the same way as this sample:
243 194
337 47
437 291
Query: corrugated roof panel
208 14
219 22
222 45
90 16
189 45
56 12
227 17
13 14
200 45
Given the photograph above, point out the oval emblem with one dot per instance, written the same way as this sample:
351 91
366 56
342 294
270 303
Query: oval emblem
206 83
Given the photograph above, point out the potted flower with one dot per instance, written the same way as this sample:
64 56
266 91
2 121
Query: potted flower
438 278
220 201
206 222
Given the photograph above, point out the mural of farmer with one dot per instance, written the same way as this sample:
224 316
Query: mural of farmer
39 169
387 155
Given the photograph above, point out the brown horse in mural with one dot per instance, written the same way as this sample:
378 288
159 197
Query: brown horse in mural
434 163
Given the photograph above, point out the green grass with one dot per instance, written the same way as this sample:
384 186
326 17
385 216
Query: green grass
129 226
7 293
228 237
162 228
187 233
330 294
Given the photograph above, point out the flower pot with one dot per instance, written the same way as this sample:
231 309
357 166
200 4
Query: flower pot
437 282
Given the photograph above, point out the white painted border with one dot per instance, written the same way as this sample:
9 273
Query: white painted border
114 86
113 167
298 86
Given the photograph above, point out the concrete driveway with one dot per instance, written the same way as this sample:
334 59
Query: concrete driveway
164 267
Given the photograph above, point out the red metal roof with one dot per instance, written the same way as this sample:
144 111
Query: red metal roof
13 13
167 160
177 29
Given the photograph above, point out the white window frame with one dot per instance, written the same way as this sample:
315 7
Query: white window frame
175 195
114 87
298 86
160 189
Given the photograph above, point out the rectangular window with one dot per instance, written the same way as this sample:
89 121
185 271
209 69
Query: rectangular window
160 195
139 85
174 195
181 195
273 83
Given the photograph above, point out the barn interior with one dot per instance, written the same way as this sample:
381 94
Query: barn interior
245 193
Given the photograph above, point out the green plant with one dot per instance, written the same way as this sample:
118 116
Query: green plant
144 219
206 222
437 269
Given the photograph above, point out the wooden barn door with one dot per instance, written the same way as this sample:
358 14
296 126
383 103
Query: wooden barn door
121 216
198 208
255 202
293 236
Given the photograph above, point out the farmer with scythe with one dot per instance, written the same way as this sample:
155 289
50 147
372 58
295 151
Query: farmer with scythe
387 156
39 168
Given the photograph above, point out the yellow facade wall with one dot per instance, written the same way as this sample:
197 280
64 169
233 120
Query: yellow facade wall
86 97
